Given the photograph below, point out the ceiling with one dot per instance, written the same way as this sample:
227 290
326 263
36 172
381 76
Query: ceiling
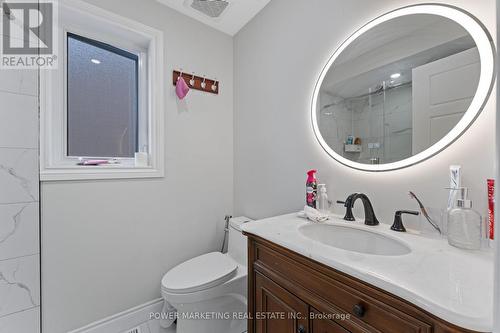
395 46
234 17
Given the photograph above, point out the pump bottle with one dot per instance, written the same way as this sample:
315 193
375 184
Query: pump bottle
464 223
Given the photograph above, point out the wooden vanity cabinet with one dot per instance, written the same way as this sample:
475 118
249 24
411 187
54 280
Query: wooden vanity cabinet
289 293
277 310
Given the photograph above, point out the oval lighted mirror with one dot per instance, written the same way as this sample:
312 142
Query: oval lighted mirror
403 87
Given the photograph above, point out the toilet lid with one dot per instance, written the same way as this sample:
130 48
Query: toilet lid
200 273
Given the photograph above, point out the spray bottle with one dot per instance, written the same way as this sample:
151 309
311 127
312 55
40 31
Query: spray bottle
311 189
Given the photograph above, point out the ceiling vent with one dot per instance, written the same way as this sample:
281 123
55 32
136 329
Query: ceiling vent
210 8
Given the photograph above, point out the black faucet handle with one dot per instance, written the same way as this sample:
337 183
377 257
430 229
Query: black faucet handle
398 221
348 205
411 212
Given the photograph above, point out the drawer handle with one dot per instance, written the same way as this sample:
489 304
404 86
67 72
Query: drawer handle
359 310
301 329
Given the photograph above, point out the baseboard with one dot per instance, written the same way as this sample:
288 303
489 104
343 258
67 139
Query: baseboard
123 321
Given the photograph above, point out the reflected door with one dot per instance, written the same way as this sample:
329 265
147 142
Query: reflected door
441 96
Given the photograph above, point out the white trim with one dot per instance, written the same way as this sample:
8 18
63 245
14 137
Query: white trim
486 80
55 166
124 320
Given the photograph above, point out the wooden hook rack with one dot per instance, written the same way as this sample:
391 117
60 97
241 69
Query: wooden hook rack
197 84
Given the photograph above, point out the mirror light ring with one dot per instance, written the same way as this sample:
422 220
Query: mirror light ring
486 50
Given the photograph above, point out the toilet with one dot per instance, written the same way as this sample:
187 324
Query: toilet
209 292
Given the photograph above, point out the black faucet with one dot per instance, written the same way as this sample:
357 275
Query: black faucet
370 218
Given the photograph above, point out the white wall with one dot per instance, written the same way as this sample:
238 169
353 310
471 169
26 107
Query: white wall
19 222
106 244
278 57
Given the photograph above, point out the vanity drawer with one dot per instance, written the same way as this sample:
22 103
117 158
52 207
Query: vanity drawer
324 325
368 309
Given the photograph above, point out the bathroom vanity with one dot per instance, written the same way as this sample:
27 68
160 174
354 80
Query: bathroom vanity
398 91
298 282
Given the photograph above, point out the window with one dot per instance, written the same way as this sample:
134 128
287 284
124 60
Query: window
104 100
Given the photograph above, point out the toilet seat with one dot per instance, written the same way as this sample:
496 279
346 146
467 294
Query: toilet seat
200 273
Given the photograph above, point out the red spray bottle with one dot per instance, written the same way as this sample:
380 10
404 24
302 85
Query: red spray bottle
311 189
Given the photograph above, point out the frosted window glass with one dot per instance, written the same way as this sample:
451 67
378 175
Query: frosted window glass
102 99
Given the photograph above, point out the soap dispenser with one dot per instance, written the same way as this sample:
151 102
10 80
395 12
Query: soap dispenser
322 202
464 223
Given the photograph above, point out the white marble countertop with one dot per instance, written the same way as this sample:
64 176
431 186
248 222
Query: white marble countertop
454 285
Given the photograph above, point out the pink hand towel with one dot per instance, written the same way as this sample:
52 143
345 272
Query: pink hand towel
181 88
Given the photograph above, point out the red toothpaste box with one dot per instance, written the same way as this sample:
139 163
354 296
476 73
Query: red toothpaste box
491 208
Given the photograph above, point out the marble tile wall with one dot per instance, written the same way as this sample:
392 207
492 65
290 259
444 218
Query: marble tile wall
19 203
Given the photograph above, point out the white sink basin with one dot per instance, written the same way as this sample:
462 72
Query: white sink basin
353 239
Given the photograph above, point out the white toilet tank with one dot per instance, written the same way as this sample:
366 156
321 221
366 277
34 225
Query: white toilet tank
237 246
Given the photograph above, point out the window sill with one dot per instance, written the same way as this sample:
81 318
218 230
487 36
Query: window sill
99 173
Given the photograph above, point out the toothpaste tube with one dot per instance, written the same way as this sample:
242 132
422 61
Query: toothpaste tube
491 208
455 183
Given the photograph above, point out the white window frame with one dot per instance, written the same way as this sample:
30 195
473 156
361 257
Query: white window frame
95 23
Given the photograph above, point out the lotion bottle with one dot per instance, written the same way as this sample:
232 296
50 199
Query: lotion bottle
322 202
